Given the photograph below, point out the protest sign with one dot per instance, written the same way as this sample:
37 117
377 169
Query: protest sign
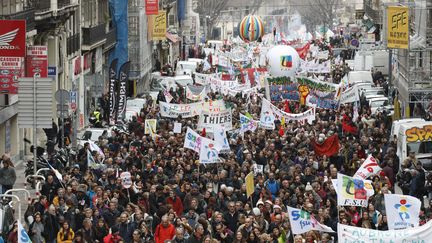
267 117
150 126
176 110
368 168
211 120
302 222
221 140
351 191
177 127
195 93
350 95
402 211
247 124
351 234
208 152
192 140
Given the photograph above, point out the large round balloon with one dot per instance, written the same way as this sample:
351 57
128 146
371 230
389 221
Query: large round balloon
283 61
251 28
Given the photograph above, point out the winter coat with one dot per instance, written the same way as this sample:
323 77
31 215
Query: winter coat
162 234
35 231
7 176
65 237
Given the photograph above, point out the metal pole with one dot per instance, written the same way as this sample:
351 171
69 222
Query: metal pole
62 119
18 200
390 74
34 127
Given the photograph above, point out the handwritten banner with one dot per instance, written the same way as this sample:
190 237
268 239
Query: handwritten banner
190 110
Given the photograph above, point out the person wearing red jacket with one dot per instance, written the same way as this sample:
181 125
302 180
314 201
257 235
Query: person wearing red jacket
113 237
176 203
164 231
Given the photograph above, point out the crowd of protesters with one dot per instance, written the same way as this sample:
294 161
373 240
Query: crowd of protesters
174 198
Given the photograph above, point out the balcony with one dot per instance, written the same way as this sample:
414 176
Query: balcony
371 12
111 39
27 14
73 44
93 36
44 9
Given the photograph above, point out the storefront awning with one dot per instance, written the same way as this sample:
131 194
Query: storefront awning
174 38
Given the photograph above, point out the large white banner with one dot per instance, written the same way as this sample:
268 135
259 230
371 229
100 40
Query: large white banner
308 115
208 152
351 191
368 168
350 95
302 222
351 234
211 120
402 211
190 110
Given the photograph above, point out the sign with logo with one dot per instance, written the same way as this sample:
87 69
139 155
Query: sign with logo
76 67
152 7
73 100
286 61
192 140
397 27
52 71
302 222
126 179
348 233
221 140
37 61
419 134
159 26
368 168
402 211
211 120
208 152
351 191
11 68
12 38
122 93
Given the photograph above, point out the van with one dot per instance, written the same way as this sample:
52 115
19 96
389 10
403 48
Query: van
186 68
416 137
396 126
355 76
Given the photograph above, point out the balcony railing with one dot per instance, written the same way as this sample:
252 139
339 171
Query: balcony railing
93 35
111 38
73 44
28 15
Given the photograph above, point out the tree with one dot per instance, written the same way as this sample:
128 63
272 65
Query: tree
317 12
209 11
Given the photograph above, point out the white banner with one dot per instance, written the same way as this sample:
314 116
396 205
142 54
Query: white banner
247 124
402 211
211 120
221 140
267 117
302 222
201 78
368 168
350 95
190 110
351 234
307 115
192 140
208 152
351 191
23 237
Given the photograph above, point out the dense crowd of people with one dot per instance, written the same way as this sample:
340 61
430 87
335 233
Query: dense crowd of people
174 198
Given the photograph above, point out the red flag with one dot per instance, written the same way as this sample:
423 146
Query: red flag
347 126
286 107
281 131
203 133
329 147
303 51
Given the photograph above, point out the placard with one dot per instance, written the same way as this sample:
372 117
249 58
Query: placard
211 120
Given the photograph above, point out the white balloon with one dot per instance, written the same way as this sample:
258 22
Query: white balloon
283 61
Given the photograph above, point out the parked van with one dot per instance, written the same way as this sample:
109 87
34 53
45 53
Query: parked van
186 68
416 137
397 124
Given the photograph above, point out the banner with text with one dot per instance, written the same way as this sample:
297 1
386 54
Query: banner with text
302 221
211 120
402 211
351 191
351 234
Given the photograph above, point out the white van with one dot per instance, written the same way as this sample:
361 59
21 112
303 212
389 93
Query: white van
416 137
397 124
356 76
186 68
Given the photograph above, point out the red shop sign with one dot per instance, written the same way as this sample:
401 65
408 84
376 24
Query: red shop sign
12 38
37 61
11 68
152 7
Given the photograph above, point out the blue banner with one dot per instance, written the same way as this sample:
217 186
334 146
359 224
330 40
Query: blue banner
181 9
119 15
